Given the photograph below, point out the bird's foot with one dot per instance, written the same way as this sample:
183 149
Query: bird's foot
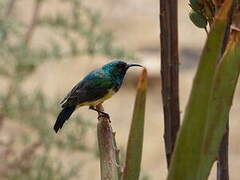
104 115
100 113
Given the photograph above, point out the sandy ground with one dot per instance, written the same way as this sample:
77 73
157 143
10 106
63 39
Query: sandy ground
136 27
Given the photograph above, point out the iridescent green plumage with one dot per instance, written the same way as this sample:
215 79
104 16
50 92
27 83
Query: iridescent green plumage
98 86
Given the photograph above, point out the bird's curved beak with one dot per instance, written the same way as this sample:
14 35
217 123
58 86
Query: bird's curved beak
130 65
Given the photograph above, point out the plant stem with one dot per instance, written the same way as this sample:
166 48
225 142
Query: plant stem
169 73
222 164
9 8
107 149
29 33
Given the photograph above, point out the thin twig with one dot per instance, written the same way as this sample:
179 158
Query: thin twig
6 99
9 8
34 21
25 156
222 164
206 30
1 120
24 159
169 73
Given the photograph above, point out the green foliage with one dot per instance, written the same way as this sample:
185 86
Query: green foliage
135 140
189 152
44 167
203 12
197 14
84 27
196 5
224 85
198 19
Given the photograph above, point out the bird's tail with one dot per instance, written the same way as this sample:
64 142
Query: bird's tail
62 117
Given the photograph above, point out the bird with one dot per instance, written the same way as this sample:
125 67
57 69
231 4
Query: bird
95 88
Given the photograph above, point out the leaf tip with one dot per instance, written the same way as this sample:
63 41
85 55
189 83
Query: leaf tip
142 82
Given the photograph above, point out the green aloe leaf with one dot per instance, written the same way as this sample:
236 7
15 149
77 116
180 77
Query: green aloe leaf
135 140
225 82
185 164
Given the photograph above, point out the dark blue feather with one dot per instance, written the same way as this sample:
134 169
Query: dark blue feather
62 117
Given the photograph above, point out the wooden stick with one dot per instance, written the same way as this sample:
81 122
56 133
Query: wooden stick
169 73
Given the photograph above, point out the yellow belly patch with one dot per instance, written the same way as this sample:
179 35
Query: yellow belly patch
94 103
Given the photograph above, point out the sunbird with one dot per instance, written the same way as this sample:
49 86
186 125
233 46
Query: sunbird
95 88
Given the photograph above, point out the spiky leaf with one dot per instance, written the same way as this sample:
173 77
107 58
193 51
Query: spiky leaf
135 139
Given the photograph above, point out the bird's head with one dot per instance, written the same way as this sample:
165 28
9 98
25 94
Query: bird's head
118 68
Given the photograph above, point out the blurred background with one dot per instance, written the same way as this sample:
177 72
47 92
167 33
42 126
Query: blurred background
47 46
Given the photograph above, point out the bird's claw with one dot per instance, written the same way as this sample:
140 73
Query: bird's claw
100 113
104 115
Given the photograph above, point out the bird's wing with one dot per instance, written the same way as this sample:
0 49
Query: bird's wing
71 92
94 86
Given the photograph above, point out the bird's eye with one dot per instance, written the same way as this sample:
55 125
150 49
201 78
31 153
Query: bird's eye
121 66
